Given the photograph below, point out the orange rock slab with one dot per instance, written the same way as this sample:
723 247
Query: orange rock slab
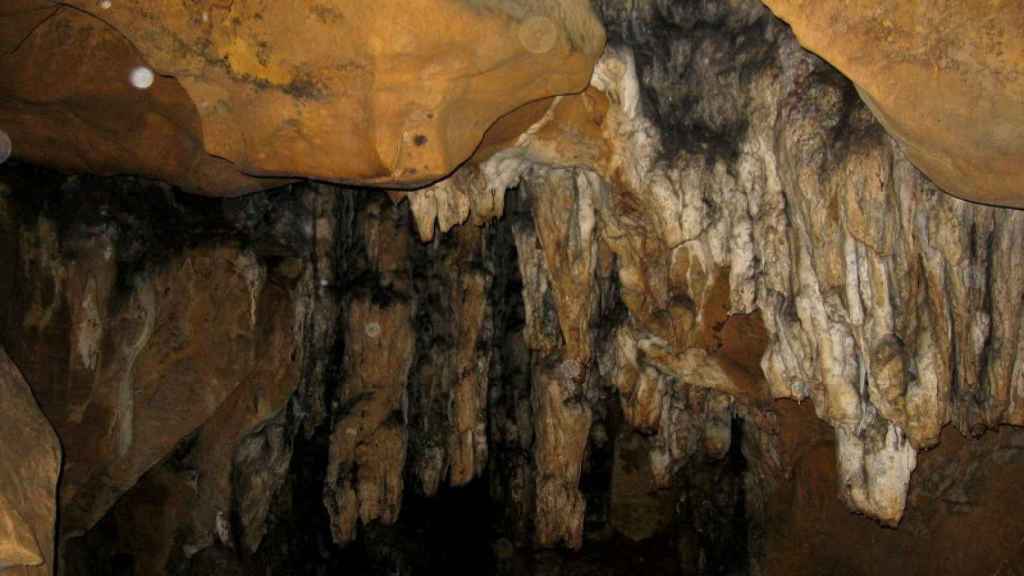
66 102
31 458
381 92
945 78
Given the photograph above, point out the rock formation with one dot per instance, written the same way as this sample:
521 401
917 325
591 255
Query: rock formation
31 455
240 91
68 103
818 222
234 92
131 349
596 330
945 79
369 441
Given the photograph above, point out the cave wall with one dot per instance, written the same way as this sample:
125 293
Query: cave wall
31 454
890 305
586 335
955 520
367 368
146 319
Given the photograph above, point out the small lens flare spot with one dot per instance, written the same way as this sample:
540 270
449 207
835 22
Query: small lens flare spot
142 77
106 4
5 146
373 329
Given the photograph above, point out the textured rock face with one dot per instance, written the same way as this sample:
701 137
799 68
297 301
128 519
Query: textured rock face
561 254
448 390
969 140
369 440
134 343
239 93
68 102
639 509
870 283
392 99
368 446
31 457
591 317
160 384
959 487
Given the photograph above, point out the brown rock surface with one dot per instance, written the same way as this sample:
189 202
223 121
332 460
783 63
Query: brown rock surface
639 507
264 386
448 395
128 357
66 102
638 287
388 92
30 455
558 261
945 78
177 404
368 445
956 521
187 330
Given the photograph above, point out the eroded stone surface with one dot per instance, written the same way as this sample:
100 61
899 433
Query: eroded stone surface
31 457
820 223
640 508
137 345
68 103
959 487
168 386
945 79
646 279
380 97
448 401
235 95
369 439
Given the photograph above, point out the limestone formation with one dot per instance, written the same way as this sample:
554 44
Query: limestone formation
448 391
560 313
957 488
639 508
131 357
821 224
68 103
946 79
368 445
31 457
369 438
706 300
240 91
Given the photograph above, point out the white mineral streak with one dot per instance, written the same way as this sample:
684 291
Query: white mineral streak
473 191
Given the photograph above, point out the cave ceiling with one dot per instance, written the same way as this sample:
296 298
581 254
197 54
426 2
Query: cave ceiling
244 93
